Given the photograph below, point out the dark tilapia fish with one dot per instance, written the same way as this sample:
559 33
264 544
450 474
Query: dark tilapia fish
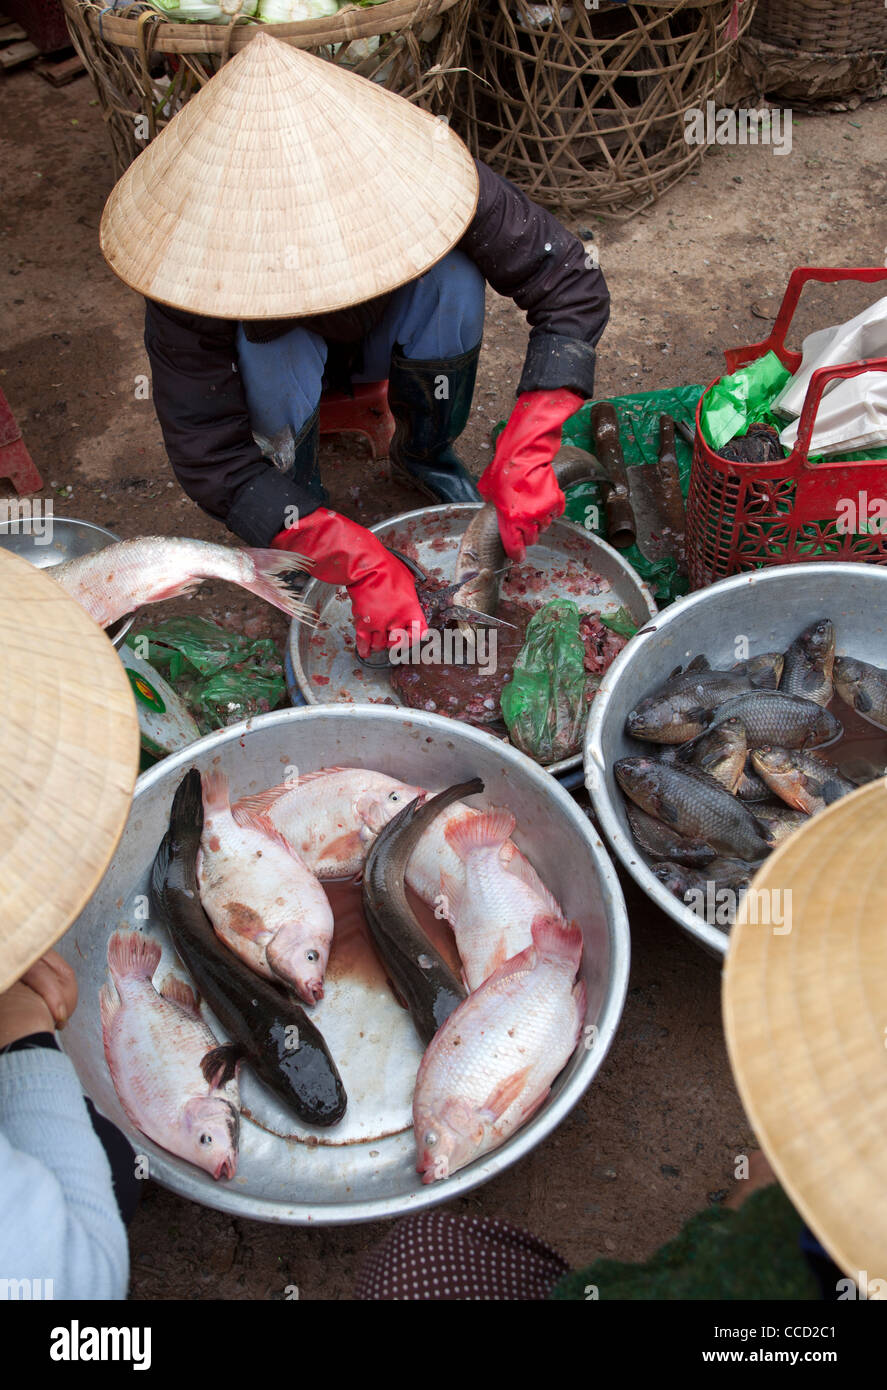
420 974
765 671
681 709
773 719
779 821
863 687
693 805
809 663
721 752
268 1028
660 842
719 874
801 780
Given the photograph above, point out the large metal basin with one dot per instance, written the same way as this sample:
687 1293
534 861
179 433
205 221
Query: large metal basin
363 1168
324 663
769 607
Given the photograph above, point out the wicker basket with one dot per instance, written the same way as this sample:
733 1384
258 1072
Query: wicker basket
145 68
822 26
581 105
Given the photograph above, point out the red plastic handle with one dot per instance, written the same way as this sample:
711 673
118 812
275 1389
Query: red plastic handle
818 382
800 276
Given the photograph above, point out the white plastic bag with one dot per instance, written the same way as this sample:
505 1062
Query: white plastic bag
852 415
864 336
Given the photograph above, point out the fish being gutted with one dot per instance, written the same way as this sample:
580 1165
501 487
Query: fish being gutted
492 1064
262 900
115 581
155 1045
268 1028
493 914
692 804
331 817
802 780
809 663
771 719
420 974
863 687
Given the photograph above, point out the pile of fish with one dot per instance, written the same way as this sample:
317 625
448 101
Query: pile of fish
737 768
239 888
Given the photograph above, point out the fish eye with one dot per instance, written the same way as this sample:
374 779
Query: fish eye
312 956
430 1139
206 1138
394 796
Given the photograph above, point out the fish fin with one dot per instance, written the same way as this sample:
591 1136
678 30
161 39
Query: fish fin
678 670
580 999
249 821
668 813
451 890
556 939
862 701
180 992
215 793
505 1094
219 1065
132 956
832 791
489 830
260 803
272 569
109 1004
698 715
523 869
699 663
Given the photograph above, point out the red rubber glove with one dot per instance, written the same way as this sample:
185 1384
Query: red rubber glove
519 481
382 590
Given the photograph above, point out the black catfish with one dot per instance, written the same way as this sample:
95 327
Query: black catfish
421 975
268 1029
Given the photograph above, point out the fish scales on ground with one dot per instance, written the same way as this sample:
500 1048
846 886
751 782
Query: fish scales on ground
693 805
802 780
155 1043
491 1065
331 817
115 581
493 914
863 687
266 1026
261 899
809 663
418 972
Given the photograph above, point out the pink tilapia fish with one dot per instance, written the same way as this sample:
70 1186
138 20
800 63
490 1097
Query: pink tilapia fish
491 1065
261 899
331 817
493 911
154 1045
115 581
434 870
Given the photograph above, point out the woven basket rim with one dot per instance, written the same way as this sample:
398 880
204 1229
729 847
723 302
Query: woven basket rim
167 36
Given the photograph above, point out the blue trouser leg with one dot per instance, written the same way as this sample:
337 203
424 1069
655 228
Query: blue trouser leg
282 381
435 318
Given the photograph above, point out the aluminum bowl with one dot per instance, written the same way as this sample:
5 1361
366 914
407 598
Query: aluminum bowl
768 606
324 665
364 1168
70 539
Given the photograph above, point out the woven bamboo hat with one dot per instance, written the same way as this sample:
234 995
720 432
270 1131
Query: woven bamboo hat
805 1013
288 186
69 756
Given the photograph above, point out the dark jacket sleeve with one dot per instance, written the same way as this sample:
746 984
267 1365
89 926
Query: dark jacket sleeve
200 403
525 253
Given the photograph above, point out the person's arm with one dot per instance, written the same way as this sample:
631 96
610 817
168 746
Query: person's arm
525 253
199 398
58 1215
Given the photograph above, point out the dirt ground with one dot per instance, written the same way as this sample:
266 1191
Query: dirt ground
657 1134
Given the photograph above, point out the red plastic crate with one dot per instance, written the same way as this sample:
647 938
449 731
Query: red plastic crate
741 516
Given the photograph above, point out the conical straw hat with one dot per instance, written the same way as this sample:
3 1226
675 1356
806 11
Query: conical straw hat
288 186
805 1013
69 757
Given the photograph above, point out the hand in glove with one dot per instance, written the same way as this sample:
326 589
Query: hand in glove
381 588
520 481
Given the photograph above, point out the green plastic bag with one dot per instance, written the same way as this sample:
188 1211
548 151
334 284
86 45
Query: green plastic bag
743 399
222 676
544 704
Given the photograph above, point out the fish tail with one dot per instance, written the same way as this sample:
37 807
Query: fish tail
132 956
489 830
272 582
557 940
215 793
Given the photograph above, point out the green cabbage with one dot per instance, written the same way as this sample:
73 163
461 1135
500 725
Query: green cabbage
291 11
